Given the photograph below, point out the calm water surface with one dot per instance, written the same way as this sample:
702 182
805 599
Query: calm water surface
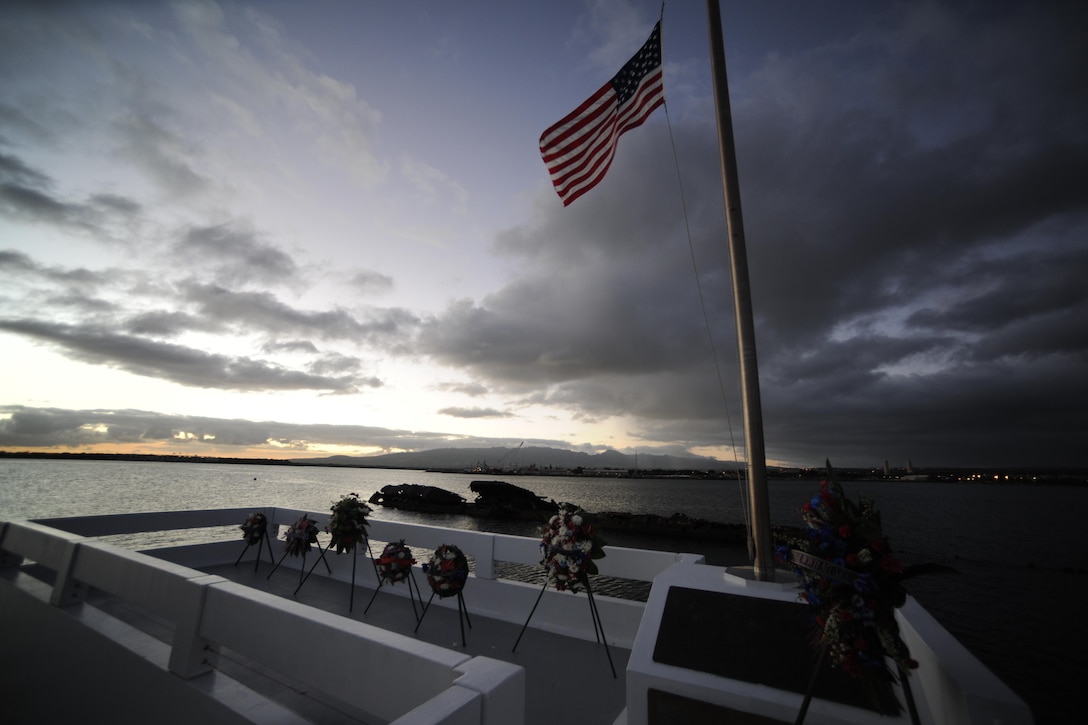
1016 602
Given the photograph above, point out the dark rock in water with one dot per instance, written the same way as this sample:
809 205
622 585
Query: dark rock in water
414 497
499 499
504 501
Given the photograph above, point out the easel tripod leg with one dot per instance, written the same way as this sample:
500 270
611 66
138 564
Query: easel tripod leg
531 612
599 626
277 566
461 617
380 582
424 612
461 604
303 579
351 597
243 554
904 679
817 665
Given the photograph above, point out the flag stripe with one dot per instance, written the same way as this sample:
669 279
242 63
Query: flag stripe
574 123
588 166
579 148
597 143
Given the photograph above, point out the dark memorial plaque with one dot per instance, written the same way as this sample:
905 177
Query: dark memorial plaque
668 708
762 641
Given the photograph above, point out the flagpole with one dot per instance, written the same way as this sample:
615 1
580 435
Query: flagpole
763 558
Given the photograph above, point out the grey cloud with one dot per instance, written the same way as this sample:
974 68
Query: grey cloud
162 323
234 255
370 282
165 157
915 240
179 364
26 194
25 427
262 311
22 123
27 203
116 203
474 389
13 169
290 346
475 413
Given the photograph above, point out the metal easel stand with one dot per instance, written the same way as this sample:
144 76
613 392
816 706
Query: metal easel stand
261 544
351 552
462 615
302 568
821 657
370 554
598 627
413 594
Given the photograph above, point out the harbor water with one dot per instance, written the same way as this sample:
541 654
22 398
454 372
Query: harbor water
1020 565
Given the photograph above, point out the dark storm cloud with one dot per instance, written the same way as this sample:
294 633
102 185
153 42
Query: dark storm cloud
916 216
915 212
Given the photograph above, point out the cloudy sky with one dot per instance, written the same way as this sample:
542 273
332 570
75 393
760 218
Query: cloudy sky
300 229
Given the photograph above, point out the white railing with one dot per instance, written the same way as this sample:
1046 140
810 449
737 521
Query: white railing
487 548
209 612
499 599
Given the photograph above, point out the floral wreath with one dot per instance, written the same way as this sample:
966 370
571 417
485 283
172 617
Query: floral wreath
568 545
300 536
852 583
395 563
347 524
254 528
447 571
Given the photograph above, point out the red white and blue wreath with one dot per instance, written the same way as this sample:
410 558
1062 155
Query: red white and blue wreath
447 571
569 544
395 563
852 583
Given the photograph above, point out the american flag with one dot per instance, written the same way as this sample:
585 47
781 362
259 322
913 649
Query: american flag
579 148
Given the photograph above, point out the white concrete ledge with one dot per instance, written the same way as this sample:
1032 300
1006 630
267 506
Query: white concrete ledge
359 664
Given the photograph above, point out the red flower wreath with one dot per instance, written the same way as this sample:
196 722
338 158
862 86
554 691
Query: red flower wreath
395 563
447 571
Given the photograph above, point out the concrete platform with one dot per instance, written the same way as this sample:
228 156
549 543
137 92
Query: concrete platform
563 674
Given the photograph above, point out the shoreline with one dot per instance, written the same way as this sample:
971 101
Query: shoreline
979 475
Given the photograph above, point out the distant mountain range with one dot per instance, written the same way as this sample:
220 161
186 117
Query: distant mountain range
540 458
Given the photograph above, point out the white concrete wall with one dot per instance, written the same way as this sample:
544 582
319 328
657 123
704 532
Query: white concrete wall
209 612
558 612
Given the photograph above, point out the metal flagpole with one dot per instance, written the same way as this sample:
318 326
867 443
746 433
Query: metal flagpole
742 299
